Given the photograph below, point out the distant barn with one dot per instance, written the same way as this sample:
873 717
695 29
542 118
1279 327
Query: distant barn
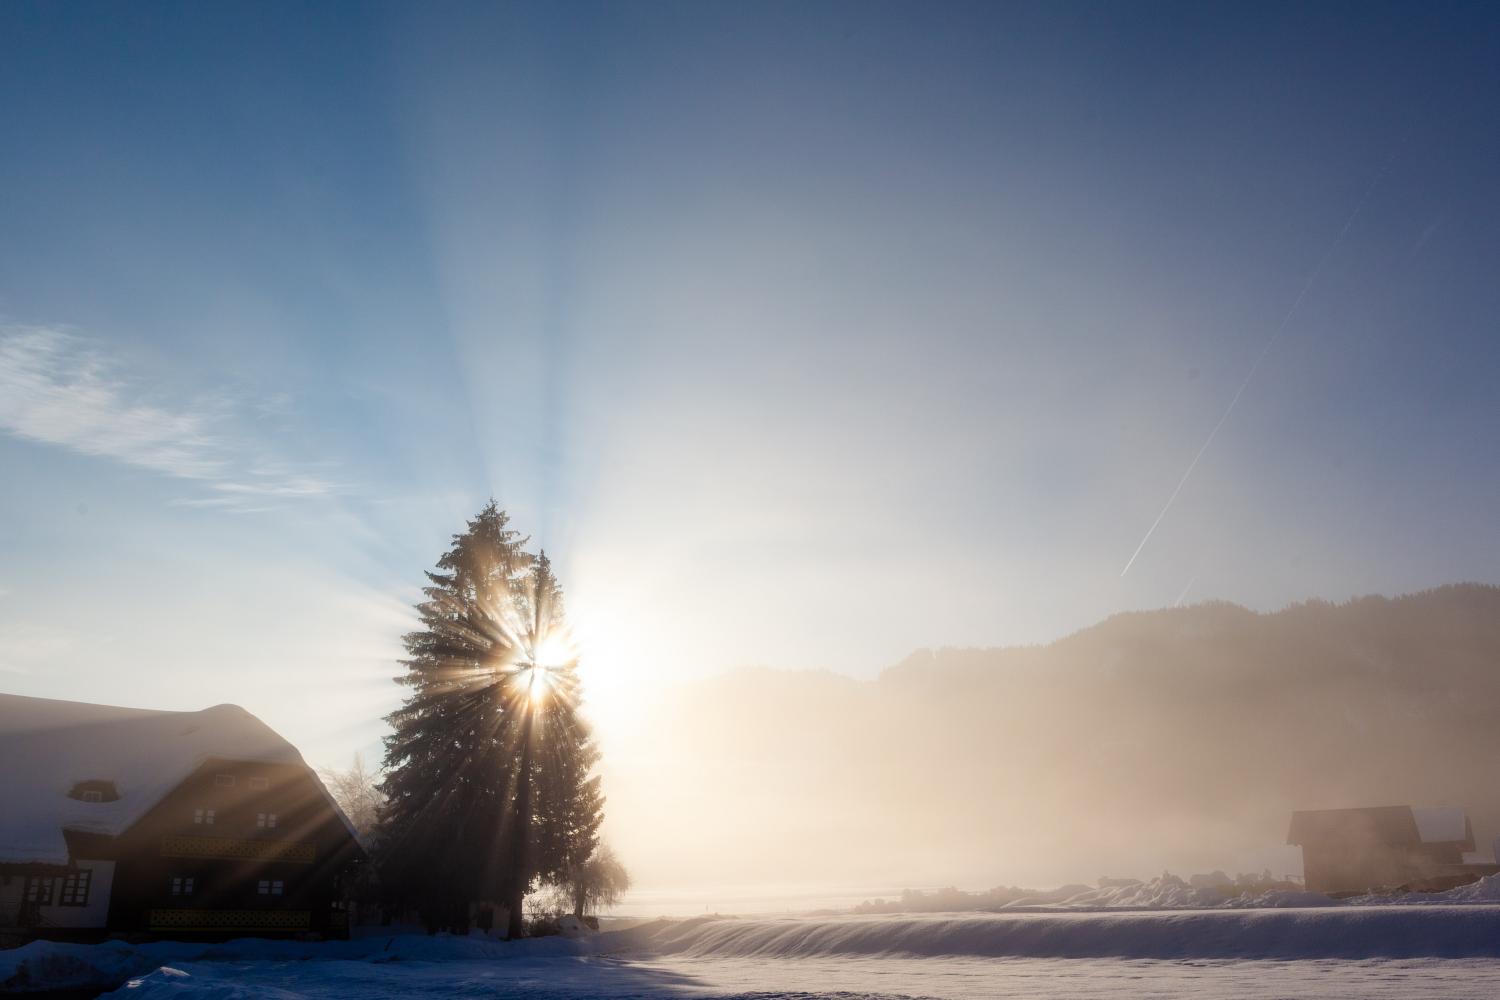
162 824
1356 850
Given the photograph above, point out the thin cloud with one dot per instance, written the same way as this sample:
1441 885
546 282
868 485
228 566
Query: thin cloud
61 389
233 505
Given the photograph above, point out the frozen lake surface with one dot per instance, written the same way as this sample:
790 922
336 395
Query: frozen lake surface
1355 952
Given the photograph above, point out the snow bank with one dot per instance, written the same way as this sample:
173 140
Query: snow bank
1486 890
167 983
1280 899
1276 925
51 965
1164 893
1168 892
1327 932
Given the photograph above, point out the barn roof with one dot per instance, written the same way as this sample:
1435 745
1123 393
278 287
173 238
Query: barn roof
1392 826
50 746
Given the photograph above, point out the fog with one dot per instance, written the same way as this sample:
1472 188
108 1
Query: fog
1179 739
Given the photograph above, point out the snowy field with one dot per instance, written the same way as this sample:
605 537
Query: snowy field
1338 951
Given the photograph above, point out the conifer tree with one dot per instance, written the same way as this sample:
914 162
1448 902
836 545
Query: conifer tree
558 799
569 799
450 763
489 771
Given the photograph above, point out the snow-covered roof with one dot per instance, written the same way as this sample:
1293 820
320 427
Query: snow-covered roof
1443 825
1390 825
47 747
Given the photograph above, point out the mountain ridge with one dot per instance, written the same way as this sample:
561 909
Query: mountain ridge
1180 738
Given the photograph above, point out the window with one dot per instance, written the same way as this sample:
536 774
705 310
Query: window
203 817
75 888
269 887
260 784
182 885
94 790
224 780
266 821
39 890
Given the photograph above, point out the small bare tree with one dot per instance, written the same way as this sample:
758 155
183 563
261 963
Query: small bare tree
599 881
357 791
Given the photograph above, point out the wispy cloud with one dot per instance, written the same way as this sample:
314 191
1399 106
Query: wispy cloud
61 389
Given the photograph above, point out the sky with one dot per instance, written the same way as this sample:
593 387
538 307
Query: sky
800 335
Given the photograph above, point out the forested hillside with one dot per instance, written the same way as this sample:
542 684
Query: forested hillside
1178 738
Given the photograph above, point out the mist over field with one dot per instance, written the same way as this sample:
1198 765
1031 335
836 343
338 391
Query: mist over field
1180 738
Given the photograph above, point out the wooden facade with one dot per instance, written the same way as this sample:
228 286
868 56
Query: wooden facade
238 847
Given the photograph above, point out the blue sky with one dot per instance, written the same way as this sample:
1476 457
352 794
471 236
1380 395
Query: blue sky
801 335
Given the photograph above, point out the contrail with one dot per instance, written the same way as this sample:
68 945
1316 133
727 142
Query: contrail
1270 342
1183 596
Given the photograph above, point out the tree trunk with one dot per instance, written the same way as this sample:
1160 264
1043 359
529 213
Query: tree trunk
461 918
515 926
515 893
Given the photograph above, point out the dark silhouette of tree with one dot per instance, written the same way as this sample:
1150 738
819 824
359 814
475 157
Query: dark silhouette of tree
558 797
570 802
450 762
488 772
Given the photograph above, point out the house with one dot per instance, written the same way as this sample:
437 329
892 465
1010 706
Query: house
122 821
1356 850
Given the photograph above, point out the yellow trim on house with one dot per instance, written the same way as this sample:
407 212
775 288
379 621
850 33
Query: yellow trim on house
296 851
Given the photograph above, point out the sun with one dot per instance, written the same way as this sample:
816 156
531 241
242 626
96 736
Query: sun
537 684
553 655
554 652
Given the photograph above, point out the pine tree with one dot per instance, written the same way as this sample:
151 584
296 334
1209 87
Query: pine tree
489 771
570 801
451 763
559 800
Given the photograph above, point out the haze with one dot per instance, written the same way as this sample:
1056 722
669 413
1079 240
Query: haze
803 337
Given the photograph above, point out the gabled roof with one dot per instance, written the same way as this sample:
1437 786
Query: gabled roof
1390 826
49 746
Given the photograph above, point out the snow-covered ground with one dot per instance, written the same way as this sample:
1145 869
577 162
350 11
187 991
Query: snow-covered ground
1363 950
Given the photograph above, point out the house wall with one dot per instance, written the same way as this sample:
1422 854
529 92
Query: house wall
306 851
10 897
95 912
15 913
1341 867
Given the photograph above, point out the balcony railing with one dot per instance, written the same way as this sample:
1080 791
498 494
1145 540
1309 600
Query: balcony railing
229 920
296 851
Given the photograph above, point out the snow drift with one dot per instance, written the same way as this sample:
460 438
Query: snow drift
52 965
1486 890
1321 933
1462 923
